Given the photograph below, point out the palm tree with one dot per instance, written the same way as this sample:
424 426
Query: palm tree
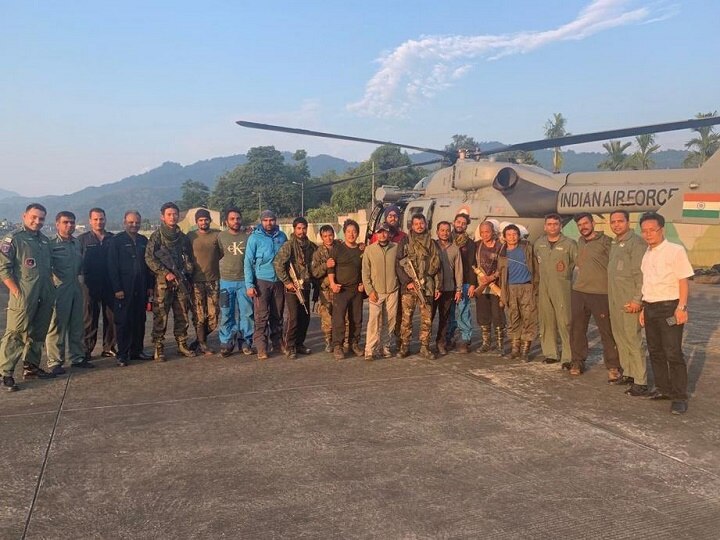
641 158
701 148
554 128
617 159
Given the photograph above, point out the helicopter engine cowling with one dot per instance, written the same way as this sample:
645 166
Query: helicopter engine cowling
472 175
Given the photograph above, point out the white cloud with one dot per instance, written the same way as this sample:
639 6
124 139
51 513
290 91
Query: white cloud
419 69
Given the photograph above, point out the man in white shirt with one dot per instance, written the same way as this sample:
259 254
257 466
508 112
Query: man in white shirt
666 269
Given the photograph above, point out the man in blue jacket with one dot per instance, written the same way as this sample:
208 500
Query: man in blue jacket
263 285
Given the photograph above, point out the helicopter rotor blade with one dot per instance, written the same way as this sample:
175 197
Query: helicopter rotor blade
297 131
385 171
605 135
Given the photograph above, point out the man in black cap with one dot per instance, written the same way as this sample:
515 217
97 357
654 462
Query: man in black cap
205 279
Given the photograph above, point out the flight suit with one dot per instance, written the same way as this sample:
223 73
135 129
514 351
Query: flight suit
25 257
625 285
555 263
66 326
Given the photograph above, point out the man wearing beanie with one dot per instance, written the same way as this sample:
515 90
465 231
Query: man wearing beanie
169 256
205 279
263 285
297 253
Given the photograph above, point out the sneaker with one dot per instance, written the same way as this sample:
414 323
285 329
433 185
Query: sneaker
34 372
679 407
302 349
108 354
625 380
58 370
85 364
656 395
225 352
9 384
637 390
566 366
122 362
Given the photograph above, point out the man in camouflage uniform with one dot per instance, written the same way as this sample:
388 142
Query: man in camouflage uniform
319 269
418 252
66 327
205 279
298 252
25 271
169 256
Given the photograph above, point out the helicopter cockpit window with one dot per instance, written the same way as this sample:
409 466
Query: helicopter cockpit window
505 179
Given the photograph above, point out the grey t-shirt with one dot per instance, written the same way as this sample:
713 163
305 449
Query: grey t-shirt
233 260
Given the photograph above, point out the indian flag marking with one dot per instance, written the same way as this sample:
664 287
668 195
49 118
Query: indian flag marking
701 205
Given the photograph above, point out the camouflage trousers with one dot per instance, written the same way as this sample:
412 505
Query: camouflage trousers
167 298
324 309
409 301
206 301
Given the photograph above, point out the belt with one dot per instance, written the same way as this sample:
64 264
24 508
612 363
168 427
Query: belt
661 302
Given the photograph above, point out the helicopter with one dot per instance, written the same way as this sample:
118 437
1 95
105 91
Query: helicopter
472 182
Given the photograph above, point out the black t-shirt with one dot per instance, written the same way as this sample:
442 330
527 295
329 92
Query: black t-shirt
348 265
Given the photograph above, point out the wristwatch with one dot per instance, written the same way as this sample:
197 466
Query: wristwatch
682 308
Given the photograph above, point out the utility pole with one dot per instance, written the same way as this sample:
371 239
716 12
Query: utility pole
302 196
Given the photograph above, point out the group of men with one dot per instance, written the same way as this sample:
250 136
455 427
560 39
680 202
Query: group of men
624 283
256 288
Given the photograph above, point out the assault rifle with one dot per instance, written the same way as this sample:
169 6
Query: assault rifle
168 261
298 284
493 287
407 265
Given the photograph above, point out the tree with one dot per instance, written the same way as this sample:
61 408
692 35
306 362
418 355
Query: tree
702 147
641 158
265 176
555 128
617 159
357 193
194 194
325 213
460 142
519 156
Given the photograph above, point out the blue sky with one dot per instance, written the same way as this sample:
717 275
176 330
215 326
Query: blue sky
92 92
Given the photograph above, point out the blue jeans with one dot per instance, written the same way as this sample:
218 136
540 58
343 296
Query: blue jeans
236 314
460 317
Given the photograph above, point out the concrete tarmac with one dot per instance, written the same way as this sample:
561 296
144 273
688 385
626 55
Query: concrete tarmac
466 446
